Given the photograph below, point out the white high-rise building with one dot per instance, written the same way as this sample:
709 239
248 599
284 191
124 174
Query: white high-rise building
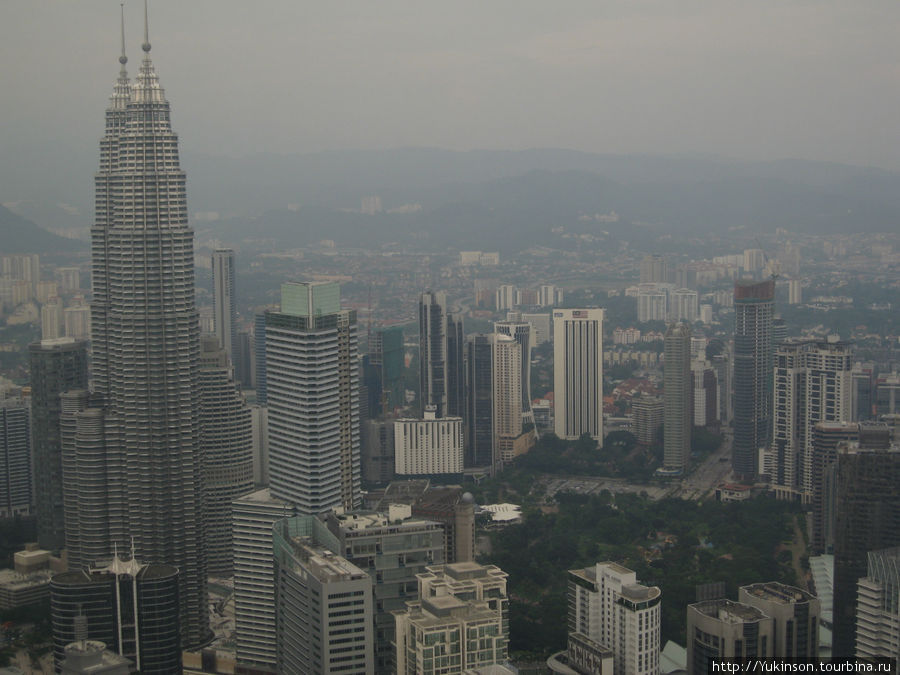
609 606
578 373
506 386
812 384
312 390
428 446
323 603
52 325
524 334
22 266
224 307
78 322
684 305
505 297
878 606
754 260
253 517
652 304
547 295
795 292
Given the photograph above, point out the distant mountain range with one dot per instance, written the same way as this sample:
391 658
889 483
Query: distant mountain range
512 199
20 235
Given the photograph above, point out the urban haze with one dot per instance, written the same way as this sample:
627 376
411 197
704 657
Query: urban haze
409 338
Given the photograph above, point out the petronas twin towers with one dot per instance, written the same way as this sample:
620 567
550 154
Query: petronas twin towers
134 444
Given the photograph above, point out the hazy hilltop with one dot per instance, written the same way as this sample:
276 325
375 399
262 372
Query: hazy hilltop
20 235
512 200
504 200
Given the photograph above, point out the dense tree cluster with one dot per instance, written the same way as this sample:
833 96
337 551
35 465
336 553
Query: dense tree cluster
674 544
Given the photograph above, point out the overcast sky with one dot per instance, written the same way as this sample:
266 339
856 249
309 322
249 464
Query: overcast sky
756 79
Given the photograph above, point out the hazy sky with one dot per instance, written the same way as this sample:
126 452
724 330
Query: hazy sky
758 79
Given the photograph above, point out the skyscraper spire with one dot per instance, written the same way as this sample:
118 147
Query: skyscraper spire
146 84
123 59
146 45
122 90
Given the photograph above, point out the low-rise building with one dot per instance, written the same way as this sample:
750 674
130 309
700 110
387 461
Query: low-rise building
459 622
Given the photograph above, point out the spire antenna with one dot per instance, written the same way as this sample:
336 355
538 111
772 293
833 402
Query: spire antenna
146 45
123 59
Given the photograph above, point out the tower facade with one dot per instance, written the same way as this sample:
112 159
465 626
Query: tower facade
677 398
726 629
433 351
609 606
15 458
312 382
812 384
227 443
867 518
131 607
253 517
323 603
479 418
523 333
754 303
878 606
795 613
456 602
578 373
146 344
506 369
224 307
56 366
441 345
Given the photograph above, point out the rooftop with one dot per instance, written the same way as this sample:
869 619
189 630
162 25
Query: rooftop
728 611
13 579
323 564
774 591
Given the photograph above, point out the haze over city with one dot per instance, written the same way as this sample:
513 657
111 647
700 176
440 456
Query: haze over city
401 338
763 80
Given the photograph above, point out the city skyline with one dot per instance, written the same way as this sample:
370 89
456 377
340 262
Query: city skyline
160 454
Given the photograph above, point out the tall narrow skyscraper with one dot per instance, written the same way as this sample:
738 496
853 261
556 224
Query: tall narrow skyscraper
441 345
433 351
578 373
523 333
15 458
677 398
146 344
812 384
754 303
479 417
506 382
227 443
224 308
313 399
56 366
867 518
